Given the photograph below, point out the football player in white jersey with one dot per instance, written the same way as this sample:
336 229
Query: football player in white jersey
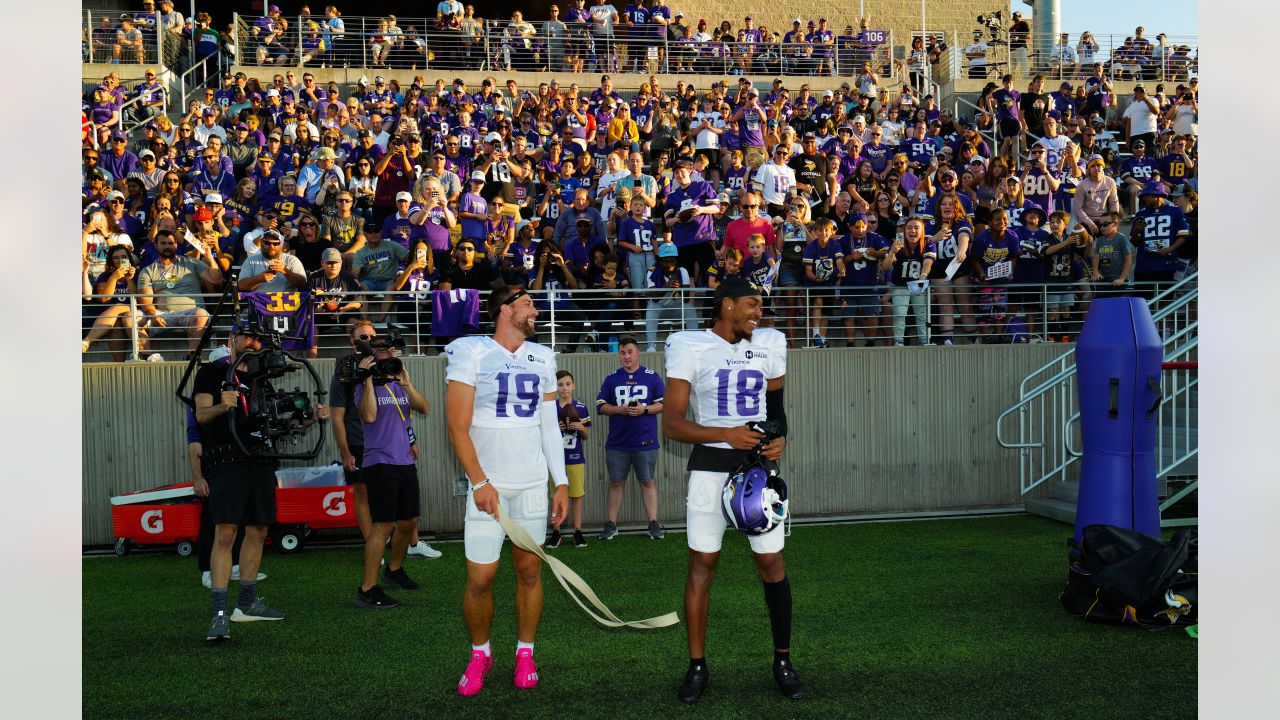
732 373
501 411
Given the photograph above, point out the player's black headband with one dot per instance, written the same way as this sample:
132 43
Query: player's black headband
495 309
516 296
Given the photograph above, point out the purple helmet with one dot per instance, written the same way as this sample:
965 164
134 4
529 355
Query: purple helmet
754 499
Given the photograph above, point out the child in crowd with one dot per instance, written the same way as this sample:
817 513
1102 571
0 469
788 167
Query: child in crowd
575 424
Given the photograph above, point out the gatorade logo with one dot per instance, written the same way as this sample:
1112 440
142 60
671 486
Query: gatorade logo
334 504
152 522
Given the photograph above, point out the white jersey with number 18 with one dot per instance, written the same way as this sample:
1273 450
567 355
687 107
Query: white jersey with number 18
727 379
505 422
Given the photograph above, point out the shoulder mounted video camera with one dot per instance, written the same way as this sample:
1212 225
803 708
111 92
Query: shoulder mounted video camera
383 371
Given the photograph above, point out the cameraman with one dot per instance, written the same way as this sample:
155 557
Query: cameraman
241 486
389 475
348 433
976 54
1019 37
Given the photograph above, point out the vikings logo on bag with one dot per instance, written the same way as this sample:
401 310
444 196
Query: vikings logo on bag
1178 606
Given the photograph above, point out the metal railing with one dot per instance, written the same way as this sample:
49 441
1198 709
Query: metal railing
589 320
1047 409
495 45
1174 61
98 42
202 74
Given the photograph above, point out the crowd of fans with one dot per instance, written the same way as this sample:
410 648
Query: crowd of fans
855 207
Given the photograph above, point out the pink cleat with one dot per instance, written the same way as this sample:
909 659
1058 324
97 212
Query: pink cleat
473 679
526 671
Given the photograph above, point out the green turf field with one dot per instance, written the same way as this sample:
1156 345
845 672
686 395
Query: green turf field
934 619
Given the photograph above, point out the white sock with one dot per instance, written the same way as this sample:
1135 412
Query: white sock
483 648
522 645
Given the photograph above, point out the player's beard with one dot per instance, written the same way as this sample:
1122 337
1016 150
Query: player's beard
530 328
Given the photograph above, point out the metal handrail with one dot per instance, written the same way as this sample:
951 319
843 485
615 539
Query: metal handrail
1179 343
1178 287
1067 371
189 85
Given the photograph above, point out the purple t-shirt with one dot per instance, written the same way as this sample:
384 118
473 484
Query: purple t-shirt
987 251
472 228
400 231
702 227
386 439
435 230
1006 104
823 261
574 453
626 433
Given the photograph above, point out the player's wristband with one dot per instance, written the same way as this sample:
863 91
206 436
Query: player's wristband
479 485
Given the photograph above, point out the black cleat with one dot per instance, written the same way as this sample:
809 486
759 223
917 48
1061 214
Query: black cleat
788 682
553 540
695 682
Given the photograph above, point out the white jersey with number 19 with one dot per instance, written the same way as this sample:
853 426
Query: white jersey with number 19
727 379
505 423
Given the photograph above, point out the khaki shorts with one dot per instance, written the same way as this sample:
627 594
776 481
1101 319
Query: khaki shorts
577 480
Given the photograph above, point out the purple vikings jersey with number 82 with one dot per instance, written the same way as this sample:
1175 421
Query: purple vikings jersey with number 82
727 381
505 422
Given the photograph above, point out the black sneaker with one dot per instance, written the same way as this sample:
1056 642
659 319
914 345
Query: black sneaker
655 531
609 532
578 540
553 540
695 682
788 682
219 628
400 578
375 598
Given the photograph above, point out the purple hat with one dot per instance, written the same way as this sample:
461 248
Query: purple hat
273 9
1154 187
210 111
321 94
242 126
119 135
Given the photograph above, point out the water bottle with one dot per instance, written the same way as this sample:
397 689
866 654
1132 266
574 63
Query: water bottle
613 343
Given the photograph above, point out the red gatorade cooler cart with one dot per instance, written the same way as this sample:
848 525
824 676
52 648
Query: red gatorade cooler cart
166 515
308 499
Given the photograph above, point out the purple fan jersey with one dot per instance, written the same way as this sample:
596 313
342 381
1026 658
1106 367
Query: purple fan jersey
632 434
455 312
287 313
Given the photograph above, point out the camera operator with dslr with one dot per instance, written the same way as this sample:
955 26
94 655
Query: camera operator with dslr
388 471
241 484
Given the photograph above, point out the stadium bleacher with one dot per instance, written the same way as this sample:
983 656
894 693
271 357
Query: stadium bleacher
455 84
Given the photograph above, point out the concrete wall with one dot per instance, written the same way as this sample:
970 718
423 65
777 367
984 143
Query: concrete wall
872 430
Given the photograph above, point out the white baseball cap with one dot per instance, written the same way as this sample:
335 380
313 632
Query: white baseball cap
402 195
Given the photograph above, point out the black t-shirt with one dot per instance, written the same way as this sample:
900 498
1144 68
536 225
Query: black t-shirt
479 277
1034 107
217 433
811 169
309 252
1018 33
343 395
328 291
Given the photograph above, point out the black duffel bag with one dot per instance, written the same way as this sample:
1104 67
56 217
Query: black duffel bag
1125 577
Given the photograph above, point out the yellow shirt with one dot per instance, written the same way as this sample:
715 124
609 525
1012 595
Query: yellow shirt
620 129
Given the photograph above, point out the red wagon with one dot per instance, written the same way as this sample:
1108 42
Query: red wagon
167 515
307 499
